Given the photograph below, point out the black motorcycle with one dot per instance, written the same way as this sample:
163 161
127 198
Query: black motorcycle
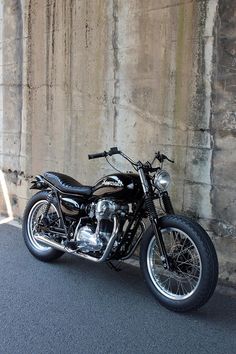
106 222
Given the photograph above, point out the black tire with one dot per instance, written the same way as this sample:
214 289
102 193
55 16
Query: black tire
206 269
45 254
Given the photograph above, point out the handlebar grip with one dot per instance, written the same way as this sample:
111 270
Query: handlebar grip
96 156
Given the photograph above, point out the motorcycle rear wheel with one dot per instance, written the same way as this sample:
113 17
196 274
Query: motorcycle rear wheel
33 211
193 277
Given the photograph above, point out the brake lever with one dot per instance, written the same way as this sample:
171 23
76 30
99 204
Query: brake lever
166 158
161 157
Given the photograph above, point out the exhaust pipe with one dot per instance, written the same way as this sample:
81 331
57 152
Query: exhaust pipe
54 244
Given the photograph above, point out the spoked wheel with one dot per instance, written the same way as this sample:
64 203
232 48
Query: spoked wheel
33 222
185 261
31 226
193 272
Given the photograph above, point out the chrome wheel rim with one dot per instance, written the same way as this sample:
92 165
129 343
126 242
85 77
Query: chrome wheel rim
181 282
35 213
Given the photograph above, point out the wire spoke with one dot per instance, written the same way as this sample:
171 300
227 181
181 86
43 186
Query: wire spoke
185 291
188 275
178 288
189 264
183 251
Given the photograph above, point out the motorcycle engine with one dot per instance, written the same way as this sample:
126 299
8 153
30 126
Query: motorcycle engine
94 237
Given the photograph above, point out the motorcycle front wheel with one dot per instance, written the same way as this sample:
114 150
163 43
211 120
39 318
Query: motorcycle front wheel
193 273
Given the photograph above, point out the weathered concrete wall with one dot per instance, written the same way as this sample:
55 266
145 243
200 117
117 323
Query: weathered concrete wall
223 192
11 101
80 76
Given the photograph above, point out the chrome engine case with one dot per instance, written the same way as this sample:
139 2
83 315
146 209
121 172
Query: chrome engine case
90 240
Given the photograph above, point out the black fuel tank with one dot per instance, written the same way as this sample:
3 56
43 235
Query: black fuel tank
122 186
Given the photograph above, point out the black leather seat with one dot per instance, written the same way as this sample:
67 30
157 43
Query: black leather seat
67 184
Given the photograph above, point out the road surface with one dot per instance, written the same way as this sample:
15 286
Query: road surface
75 306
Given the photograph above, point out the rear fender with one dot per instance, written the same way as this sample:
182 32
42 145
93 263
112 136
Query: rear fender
39 183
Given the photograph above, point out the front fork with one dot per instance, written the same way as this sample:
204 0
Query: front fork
157 231
167 203
154 219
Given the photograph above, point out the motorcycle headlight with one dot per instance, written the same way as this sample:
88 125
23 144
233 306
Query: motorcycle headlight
162 180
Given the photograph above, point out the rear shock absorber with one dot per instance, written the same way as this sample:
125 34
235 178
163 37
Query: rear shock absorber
49 202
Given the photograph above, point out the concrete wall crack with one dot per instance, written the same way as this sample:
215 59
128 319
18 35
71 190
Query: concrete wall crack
116 66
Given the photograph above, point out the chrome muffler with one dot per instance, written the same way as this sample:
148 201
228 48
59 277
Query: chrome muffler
54 244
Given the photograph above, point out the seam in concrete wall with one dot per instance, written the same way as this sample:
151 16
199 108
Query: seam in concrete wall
20 63
116 65
211 11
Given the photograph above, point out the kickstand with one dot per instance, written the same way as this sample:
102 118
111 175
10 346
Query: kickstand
113 266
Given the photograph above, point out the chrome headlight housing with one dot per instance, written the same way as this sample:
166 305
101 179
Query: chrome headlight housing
162 180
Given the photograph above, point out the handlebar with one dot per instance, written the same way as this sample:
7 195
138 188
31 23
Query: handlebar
112 151
115 151
96 156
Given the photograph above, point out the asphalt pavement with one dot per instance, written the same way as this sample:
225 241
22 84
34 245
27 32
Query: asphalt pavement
76 306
